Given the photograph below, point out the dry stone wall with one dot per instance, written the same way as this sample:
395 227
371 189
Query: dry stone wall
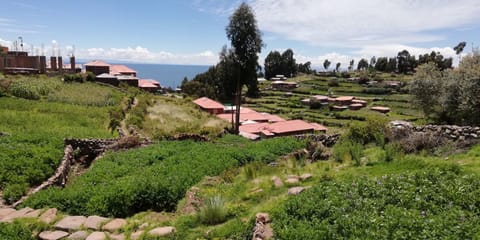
451 132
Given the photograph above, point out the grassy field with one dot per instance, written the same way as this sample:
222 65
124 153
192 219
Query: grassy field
36 126
167 116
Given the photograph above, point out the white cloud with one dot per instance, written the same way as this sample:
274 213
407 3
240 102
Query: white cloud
354 24
143 55
368 52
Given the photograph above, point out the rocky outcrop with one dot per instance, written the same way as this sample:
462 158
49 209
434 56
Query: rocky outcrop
262 229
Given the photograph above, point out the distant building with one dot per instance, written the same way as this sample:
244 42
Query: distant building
209 105
283 86
97 67
122 70
285 128
149 85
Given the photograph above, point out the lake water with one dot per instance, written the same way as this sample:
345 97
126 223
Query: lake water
167 75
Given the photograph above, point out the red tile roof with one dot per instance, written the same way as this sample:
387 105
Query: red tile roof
207 103
118 69
251 115
344 98
281 127
97 63
148 83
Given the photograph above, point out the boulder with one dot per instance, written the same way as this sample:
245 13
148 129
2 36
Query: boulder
6 211
115 225
94 222
33 214
16 214
292 179
120 236
79 235
277 182
48 216
305 176
97 236
71 223
295 190
161 231
136 235
262 217
52 235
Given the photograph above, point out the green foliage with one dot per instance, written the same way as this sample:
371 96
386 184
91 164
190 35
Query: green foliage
137 114
436 204
15 231
346 151
33 148
246 41
33 88
450 96
155 177
78 77
377 91
213 211
373 130
281 64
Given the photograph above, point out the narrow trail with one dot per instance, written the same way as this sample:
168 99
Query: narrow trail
123 124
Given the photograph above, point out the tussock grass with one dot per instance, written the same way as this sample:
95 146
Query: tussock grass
168 116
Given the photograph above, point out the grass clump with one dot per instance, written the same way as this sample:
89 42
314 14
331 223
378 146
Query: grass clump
213 211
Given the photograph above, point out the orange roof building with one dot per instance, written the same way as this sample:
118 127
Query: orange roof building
97 67
209 105
149 85
122 70
285 128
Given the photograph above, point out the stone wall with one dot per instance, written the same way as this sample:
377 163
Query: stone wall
326 140
399 129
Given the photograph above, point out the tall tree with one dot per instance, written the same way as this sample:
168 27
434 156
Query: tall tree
246 40
326 64
337 66
459 49
405 63
289 64
350 67
362 64
273 64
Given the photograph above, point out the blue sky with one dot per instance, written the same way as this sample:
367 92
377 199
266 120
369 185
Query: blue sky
193 31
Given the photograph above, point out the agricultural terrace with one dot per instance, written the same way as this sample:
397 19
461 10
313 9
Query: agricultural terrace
289 105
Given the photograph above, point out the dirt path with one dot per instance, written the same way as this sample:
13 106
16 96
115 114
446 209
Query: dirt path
123 124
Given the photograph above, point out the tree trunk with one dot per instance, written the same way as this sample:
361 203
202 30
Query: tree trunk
237 106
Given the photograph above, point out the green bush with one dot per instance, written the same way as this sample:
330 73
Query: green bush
78 77
13 192
333 82
346 151
15 231
436 204
373 130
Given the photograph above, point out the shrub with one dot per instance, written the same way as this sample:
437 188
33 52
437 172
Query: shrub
436 204
15 231
13 192
373 130
333 82
213 211
347 150
78 77
419 141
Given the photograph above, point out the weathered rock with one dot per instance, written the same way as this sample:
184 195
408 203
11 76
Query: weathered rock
136 235
52 235
71 223
305 176
292 179
6 211
94 222
120 236
97 236
79 235
115 225
161 231
16 214
277 182
143 226
48 216
295 190
33 214
262 217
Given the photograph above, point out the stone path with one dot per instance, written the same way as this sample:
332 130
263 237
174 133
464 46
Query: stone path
81 227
